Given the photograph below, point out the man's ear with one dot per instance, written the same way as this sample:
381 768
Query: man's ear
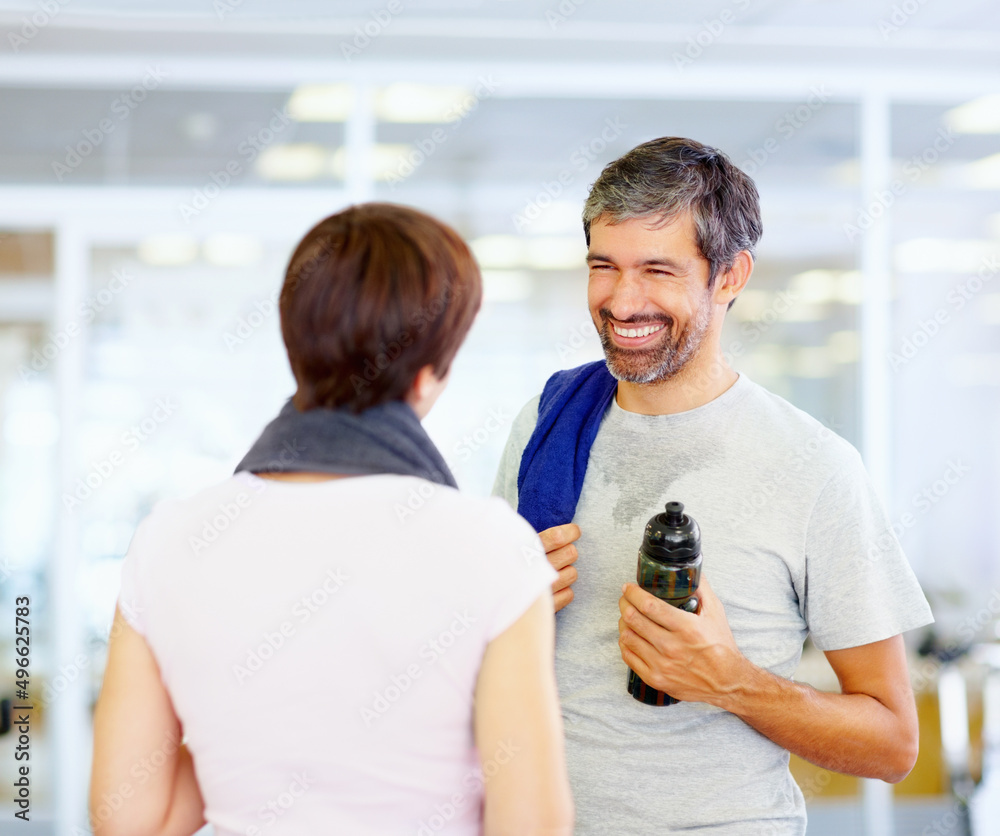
730 284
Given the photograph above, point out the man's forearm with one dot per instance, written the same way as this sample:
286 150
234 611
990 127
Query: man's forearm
851 733
869 729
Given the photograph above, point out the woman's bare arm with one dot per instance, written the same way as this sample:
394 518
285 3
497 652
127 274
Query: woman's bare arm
142 779
519 731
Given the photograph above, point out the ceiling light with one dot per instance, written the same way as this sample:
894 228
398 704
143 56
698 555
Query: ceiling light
844 346
814 286
321 103
232 250
387 162
812 362
982 174
498 251
980 116
751 304
822 286
422 103
167 250
555 253
943 255
300 161
506 285
850 288
804 312
561 217
504 252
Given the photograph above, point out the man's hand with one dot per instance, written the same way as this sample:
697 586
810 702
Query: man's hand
561 553
869 729
692 657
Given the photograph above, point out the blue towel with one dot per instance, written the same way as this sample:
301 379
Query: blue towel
554 462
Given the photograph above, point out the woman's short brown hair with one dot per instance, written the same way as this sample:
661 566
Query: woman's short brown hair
373 294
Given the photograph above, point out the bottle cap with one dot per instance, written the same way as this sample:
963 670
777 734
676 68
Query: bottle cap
672 535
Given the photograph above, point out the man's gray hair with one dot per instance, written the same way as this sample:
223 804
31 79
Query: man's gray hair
666 177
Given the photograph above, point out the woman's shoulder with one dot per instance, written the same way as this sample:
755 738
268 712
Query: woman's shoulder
493 510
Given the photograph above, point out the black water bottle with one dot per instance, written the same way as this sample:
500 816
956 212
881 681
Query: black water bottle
669 568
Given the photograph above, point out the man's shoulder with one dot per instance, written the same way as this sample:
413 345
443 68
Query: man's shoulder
776 423
528 416
524 424
505 484
557 389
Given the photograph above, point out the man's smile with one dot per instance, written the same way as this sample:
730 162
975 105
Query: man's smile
636 332
632 334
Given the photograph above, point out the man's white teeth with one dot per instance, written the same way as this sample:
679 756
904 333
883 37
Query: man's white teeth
637 332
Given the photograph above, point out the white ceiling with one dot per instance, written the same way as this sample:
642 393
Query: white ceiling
564 68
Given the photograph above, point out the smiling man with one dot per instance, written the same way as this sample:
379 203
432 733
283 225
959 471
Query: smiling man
794 538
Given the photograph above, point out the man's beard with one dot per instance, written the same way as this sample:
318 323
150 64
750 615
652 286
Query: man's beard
660 361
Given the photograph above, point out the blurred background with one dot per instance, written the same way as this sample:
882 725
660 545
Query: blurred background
158 162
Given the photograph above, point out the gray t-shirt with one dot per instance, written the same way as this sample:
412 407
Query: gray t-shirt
793 544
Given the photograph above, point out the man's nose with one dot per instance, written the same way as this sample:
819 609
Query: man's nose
627 297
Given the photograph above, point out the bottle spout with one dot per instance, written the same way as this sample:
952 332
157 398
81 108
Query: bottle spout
675 513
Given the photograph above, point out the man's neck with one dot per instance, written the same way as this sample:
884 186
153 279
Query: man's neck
698 383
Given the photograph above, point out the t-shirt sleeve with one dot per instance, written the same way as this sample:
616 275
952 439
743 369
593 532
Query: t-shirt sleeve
131 601
859 585
519 571
505 485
